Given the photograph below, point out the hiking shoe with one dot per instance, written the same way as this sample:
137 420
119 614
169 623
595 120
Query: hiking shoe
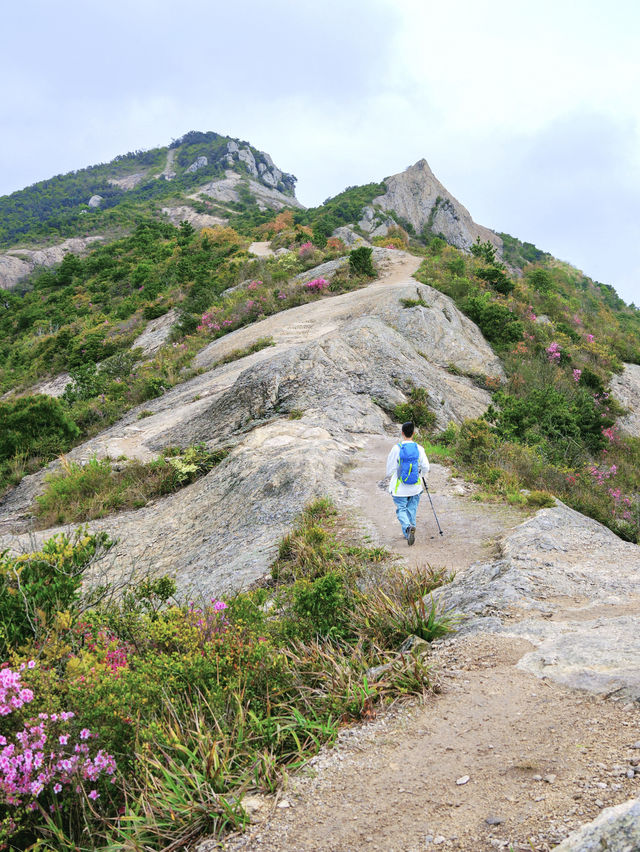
412 536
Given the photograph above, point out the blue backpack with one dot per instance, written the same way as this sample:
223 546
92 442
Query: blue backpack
408 470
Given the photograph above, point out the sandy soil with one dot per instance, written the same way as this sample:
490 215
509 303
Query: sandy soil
540 759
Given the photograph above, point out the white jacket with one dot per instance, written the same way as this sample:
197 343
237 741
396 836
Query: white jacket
403 489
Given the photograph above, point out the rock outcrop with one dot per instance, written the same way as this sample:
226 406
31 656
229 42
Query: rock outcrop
198 164
227 189
616 829
419 197
128 181
183 213
571 587
261 167
337 366
17 264
626 389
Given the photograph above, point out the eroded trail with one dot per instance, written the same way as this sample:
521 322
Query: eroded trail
541 759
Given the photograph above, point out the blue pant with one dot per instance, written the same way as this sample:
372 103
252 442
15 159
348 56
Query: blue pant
406 508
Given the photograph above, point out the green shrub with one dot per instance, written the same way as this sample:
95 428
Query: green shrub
360 261
497 278
34 587
416 409
456 265
35 424
498 324
77 493
475 442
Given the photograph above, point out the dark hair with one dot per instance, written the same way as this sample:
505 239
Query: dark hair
407 429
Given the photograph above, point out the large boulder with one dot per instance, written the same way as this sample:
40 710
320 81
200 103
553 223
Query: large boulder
419 197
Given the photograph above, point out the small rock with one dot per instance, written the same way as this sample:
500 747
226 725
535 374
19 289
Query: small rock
537 777
631 773
494 820
636 745
462 780
599 803
438 839
284 804
550 778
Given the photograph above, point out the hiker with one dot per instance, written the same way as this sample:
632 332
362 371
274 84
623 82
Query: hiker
406 463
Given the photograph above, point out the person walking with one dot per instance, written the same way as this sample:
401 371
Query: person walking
406 464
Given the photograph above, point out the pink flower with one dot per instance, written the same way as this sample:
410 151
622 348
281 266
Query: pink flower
94 795
590 338
576 375
57 788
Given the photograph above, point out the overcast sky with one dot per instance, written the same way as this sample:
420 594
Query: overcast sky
528 112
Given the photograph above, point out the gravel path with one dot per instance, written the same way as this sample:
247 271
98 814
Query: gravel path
497 759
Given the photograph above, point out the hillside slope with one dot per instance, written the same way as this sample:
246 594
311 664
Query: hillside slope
335 362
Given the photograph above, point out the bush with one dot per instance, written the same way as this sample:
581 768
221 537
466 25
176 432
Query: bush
35 587
498 324
497 278
35 424
416 409
360 261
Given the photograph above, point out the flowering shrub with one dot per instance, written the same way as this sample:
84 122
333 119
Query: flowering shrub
576 375
554 353
306 250
47 762
318 285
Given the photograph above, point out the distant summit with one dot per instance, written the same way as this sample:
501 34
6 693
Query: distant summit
418 196
202 178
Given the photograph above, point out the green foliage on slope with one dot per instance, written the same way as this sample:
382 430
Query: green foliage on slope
56 208
189 705
551 426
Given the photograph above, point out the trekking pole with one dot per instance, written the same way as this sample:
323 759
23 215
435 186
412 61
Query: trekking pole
431 501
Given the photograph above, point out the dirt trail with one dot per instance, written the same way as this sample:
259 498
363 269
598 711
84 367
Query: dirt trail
540 759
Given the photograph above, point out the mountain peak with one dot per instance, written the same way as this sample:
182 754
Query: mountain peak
419 197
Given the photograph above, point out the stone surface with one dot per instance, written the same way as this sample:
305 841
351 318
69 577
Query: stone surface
128 181
336 360
616 829
419 197
376 224
226 189
571 587
184 213
626 389
95 201
17 263
197 164
349 237
156 333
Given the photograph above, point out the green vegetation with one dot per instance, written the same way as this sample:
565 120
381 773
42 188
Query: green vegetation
551 427
236 354
83 317
56 208
343 209
82 492
190 706
416 409
361 263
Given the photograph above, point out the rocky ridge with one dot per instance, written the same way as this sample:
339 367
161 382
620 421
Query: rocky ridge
337 365
418 196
